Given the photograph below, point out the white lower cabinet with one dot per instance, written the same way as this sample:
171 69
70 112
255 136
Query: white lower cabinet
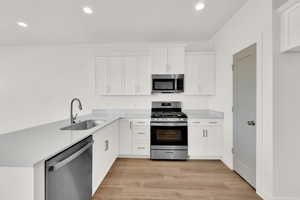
105 151
134 137
205 139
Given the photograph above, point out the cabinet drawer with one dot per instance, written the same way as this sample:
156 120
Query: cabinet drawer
141 135
205 122
140 122
141 147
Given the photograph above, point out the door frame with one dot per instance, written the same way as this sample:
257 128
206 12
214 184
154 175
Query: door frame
234 110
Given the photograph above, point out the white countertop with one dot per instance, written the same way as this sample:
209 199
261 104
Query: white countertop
25 148
204 114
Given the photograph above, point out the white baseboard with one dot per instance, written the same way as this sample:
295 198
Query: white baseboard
285 198
134 156
266 197
191 157
205 158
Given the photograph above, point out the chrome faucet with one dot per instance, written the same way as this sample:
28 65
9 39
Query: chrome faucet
72 117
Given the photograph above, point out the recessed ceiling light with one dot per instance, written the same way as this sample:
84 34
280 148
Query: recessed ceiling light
22 24
200 6
87 10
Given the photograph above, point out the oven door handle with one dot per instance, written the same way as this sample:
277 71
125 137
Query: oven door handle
169 124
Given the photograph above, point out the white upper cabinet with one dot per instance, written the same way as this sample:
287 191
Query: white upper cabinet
143 76
200 73
290 26
123 75
167 60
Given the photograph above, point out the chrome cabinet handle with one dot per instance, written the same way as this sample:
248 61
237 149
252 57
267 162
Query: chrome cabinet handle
141 133
141 148
212 122
205 133
106 145
251 123
196 122
130 125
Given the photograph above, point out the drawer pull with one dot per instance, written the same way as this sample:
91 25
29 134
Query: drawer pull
141 148
196 122
140 122
140 133
213 122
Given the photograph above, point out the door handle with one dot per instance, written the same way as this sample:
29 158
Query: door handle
251 123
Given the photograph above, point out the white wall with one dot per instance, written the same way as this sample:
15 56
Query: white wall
287 109
251 24
37 84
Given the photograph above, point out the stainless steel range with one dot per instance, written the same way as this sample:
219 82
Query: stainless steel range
169 132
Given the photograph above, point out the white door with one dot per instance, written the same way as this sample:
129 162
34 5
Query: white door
245 114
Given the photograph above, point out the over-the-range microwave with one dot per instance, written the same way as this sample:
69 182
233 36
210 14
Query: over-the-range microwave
167 83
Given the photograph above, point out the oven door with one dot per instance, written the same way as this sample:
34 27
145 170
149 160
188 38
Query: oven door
166 135
163 85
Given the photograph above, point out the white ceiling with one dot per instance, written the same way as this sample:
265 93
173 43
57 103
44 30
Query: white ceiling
62 21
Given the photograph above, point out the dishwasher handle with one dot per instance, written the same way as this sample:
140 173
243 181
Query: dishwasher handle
64 162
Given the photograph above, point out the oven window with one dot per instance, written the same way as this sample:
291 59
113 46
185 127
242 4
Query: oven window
163 135
169 135
163 84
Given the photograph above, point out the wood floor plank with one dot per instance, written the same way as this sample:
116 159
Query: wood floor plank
143 179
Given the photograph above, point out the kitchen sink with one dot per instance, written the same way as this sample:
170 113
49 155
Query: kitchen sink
84 125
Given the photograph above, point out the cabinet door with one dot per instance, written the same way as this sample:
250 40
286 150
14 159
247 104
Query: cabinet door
143 76
130 67
99 170
200 74
101 75
159 60
195 141
290 28
175 60
213 144
125 137
116 76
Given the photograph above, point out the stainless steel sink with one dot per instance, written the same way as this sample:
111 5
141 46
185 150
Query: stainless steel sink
84 125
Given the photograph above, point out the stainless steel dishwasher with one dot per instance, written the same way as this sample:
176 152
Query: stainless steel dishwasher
69 174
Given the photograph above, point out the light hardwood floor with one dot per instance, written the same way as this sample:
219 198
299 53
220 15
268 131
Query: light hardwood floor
141 179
